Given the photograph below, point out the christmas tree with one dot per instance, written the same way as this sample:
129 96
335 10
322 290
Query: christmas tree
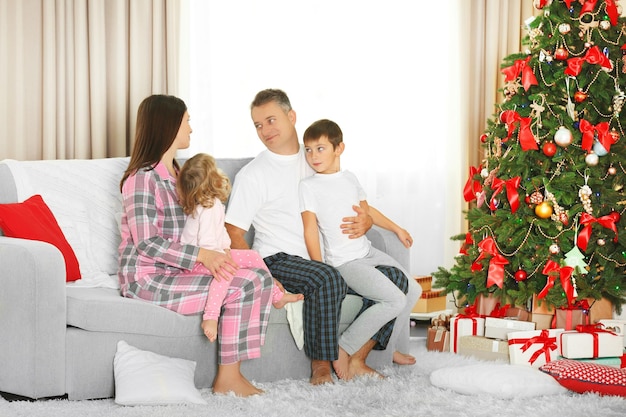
547 203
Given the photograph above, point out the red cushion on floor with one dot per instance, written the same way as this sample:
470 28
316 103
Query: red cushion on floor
584 377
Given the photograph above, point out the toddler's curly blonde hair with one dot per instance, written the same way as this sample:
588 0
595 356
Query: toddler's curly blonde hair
200 182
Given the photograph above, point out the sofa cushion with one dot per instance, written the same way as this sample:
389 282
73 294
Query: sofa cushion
33 220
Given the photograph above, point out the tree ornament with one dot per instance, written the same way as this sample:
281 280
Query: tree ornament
575 259
605 25
549 149
557 210
554 249
615 135
591 159
612 171
564 28
585 196
520 275
563 137
561 54
483 138
598 149
536 197
580 96
601 242
543 210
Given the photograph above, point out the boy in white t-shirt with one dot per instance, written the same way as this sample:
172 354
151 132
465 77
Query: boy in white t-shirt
325 198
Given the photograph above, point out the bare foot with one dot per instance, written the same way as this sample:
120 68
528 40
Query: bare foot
288 298
400 358
320 372
209 327
235 383
342 365
358 367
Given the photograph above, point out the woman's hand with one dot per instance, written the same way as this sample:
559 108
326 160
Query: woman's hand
357 226
219 264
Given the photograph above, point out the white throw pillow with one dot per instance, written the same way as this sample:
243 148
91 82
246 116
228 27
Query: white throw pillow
497 380
147 378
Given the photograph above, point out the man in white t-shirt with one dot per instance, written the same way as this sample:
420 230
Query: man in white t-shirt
265 195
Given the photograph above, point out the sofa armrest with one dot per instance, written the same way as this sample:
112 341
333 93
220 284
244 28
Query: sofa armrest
32 318
389 243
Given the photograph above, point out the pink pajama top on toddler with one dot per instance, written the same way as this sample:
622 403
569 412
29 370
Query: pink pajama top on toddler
156 267
205 228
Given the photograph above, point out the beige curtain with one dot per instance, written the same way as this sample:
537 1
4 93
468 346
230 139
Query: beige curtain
74 72
492 30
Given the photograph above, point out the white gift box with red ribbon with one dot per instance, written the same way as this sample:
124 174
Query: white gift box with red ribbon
591 341
534 347
465 325
616 326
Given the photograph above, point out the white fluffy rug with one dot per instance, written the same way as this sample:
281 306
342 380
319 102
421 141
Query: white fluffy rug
406 392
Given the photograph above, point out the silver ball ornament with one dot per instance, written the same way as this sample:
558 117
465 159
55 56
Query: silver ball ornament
563 137
591 159
554 249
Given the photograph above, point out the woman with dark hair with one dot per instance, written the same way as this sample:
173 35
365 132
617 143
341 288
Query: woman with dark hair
156 267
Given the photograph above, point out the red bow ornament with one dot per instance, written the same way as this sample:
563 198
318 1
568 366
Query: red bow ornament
593 56
521 66
472 186
526 138
552 269
588 220
511 192
495 275
602 129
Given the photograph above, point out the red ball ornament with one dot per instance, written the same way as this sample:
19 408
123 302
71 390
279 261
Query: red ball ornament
615 135
561 54
520 275
549 149
483 138
580 96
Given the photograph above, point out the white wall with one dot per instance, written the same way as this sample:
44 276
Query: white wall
379 69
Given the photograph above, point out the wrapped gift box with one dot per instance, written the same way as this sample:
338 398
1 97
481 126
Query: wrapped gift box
518 313
542 321
499 328
618 362
616 326
568 319
583 345
438 339
534 348
483 348
541 306
426 282
434 300
461 325
599 310
485 304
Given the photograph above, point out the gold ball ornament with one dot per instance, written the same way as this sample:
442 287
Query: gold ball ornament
543 210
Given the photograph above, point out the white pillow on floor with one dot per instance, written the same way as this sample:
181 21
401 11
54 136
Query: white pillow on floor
498 380
147 378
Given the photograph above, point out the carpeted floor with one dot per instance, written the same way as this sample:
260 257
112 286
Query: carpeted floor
406 392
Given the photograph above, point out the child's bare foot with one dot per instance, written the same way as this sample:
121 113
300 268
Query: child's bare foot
400 358
358 367
236 384
288 298
342 365
209 327
320 372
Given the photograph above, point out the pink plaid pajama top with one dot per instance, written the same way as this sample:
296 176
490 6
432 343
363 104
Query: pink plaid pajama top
156 267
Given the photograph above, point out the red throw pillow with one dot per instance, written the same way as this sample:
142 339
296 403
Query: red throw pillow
584 377
33 220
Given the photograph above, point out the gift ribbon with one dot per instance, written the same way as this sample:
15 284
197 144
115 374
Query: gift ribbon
521 66
511 192
547 344
526 138
604 135
468 242
593 56
472 186
565 274
499 312
588 220
594 330
495 275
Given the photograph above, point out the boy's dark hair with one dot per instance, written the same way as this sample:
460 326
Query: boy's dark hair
269 95
324 127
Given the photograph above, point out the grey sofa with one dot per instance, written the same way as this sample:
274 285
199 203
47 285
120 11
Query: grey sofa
58 339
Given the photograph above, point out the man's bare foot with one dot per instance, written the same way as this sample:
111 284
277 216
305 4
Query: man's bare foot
320 372
342 365
358 367
400 358
209 327
288 298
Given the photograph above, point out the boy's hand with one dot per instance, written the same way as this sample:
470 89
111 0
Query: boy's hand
405 238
